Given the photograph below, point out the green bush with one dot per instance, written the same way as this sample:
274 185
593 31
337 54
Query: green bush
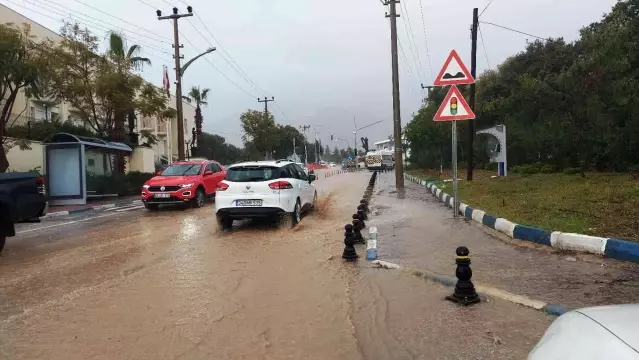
634 169
128 184
548 169
572 171
491 166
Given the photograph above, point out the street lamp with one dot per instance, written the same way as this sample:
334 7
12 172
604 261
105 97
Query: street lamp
179 72
361 128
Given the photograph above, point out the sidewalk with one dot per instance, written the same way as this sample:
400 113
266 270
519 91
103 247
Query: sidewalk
419 231
91 205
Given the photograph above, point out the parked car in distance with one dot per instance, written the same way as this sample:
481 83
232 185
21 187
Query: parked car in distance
279 190
600 332
22 199
184 182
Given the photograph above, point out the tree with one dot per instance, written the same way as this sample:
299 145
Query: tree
125 60
259 130
215 147
199 96
103 90
22 65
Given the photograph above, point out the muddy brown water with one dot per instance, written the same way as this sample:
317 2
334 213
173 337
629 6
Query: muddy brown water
168 285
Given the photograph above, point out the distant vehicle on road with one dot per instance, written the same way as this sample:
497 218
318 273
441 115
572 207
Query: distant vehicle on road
601 332
184 182
332 164
22 199
279 190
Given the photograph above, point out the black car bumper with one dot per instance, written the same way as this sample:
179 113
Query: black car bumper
250 212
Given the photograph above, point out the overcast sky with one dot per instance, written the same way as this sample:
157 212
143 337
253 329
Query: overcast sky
325 62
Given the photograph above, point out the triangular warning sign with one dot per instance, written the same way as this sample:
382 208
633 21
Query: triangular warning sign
454 107
454 72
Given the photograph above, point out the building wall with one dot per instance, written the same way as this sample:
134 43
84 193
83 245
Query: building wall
25 160
142 160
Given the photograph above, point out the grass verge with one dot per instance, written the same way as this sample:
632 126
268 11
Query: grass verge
601 204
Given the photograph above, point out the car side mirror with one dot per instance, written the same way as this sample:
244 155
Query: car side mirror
312 178
311 172
208 173
158 173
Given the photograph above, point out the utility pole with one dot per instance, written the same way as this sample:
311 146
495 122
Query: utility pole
304 129
266 101
471 100
427 88
397 120
179 71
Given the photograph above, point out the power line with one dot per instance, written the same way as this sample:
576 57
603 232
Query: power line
164 39
282 112
92 26
483 44
486 7
411 40
234 65
430 66
513 30
216 69
409 71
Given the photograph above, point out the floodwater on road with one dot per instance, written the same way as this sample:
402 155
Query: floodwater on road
420 231
168 285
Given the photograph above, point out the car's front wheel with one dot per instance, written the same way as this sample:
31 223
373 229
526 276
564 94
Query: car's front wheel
3 239
199 199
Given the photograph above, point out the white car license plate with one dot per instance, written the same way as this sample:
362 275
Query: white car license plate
249 202
162 196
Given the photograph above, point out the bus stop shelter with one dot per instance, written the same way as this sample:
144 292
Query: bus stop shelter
66 158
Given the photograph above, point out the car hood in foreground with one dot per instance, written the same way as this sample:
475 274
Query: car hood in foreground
603 332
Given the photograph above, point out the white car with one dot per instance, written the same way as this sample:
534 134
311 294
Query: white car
601 332
264 189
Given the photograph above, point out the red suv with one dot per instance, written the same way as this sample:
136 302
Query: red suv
182 183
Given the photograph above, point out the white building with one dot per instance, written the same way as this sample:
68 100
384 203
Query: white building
38 110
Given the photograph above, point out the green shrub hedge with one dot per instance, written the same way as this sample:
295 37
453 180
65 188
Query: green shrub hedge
128 184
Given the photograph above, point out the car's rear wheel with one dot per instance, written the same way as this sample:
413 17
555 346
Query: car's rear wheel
199 199
152 207
224 222
289 220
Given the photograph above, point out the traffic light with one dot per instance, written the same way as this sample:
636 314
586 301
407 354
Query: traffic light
331 137
453 106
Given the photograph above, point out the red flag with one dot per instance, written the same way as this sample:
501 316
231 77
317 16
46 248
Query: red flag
166 82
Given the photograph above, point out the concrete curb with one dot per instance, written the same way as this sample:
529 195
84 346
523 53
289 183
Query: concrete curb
609 247
91 208
450 281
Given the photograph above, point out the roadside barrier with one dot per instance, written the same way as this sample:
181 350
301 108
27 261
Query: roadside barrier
610 247
353 231
465 293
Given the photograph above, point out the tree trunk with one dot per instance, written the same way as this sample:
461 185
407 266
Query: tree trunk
4 162
118 136
198 124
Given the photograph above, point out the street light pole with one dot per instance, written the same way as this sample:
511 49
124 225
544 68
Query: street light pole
179 71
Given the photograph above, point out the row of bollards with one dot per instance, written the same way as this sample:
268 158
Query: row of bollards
353 231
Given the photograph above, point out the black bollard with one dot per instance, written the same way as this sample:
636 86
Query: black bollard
349 253
357 229
361 211
364 203
465 293
361 215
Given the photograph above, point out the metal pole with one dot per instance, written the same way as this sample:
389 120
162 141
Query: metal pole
471 100
397 121
178 92
454 144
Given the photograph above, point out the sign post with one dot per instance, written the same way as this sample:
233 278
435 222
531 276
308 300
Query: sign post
453 108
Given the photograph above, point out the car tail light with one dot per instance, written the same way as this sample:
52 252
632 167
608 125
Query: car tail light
280 185
41 188
222 186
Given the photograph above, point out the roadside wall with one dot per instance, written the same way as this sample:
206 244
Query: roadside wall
25 160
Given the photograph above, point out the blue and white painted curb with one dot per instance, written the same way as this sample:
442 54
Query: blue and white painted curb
609 247
91 208
371 244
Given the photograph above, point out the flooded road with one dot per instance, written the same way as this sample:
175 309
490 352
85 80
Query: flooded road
167 285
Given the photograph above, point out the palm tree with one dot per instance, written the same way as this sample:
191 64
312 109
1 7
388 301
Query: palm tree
199 96
119 53
125 60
